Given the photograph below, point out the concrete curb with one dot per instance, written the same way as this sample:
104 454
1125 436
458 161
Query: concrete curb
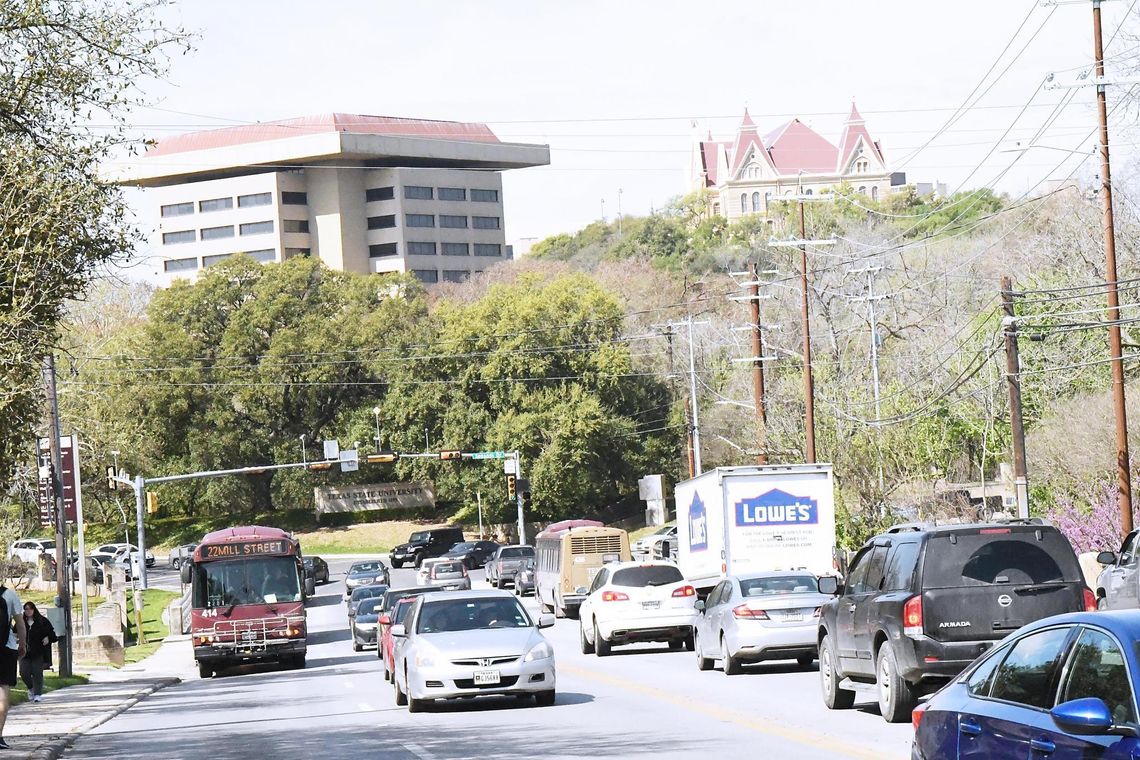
54 748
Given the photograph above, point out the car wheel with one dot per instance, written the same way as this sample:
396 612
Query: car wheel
397 565
690 642
500 583
896 697
544 698
357 647
176 564
602 647
401 697
205 671
703 663
834 697
805 660
587 646
387 673
730 664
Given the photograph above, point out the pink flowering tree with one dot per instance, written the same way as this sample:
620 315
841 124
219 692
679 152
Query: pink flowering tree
1090 520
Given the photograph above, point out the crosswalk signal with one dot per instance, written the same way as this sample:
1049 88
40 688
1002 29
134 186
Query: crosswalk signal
151 503
511 486
450 455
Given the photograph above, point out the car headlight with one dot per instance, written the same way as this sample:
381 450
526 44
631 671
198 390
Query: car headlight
378 579
542 651
425 659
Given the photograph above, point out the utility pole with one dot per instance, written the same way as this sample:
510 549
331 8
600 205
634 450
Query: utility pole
1013 377
758 363
871 298
696 427
688 418
62 565
809 384
519 496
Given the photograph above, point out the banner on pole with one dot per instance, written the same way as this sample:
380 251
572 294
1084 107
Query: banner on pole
330 499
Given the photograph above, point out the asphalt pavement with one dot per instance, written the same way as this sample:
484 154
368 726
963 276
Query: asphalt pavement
643 701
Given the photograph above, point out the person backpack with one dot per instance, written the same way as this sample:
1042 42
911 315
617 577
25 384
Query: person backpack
5 618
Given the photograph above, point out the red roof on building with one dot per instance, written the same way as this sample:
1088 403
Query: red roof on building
798 146
852 131
393 126
710 153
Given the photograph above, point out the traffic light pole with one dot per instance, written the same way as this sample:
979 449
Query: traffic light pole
62 564
519 497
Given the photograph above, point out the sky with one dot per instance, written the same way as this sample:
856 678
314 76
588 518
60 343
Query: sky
620 89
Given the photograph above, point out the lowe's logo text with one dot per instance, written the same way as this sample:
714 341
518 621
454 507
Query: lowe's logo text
777 507
698 525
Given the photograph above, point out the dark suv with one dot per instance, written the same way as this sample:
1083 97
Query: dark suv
921 602
424 544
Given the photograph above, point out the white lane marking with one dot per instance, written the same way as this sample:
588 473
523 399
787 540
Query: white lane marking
419 752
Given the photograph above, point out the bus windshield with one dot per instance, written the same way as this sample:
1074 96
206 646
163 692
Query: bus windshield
256 580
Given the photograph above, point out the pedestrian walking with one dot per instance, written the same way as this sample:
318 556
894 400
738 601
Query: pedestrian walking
40 637
13 641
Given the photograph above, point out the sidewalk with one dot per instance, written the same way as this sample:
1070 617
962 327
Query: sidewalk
47 729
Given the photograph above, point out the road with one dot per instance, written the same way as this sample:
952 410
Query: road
643 701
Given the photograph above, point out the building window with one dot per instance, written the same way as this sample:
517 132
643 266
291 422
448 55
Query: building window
211 260
862 190
484 196
488 249
256 228
421 249
426 275
256 199
294 199
215 204
418 192
420 220
182 236
380 250
456 275
874 193
381 222
179 209
217 233
291 252
455 249
264 255
294 225
744 203
755 202
485 222
807 192
380 194
180 265
716 209
452 194
767 200
453 222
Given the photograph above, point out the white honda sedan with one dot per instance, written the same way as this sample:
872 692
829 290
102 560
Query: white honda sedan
637 601
471 643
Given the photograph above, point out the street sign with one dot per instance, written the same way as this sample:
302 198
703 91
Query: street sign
332 449
510 467
68 477
349 460
490 455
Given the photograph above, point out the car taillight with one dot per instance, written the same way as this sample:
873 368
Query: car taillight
916 715
744 611
615 596
1090 600
464 571
912 617
685 591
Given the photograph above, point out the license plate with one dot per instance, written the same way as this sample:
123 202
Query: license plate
793 616
650 605
248 635
487 677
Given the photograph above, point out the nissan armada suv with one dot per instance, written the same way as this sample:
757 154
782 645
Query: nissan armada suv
920 602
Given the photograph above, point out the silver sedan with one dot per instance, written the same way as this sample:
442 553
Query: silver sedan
761 616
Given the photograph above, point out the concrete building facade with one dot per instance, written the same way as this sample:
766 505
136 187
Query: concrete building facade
362 193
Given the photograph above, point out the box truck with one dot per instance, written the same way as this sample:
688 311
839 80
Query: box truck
741 519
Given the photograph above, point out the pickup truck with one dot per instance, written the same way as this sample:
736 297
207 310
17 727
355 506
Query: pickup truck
506 563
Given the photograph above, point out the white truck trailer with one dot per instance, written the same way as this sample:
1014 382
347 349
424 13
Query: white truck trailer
738 519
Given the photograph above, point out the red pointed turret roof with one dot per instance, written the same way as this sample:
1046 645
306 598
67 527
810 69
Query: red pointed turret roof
854 129
747 138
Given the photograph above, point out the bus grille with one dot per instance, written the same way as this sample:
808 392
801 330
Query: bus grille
595 544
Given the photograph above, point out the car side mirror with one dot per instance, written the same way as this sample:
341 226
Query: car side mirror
185 570
399 631
828 584
1089 716
1106 558
545 621
699 605
384 620
310 585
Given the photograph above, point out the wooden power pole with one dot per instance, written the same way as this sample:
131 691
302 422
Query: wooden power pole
809 384
758 364
1013 378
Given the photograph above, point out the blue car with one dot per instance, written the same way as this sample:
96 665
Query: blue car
1063 687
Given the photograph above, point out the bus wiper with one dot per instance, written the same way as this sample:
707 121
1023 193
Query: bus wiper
229 609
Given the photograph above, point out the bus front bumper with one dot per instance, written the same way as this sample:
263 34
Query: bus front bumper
223 653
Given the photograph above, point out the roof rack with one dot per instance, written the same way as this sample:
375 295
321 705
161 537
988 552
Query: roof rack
909 527
1019 520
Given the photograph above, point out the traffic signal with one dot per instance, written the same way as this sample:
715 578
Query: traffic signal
450 455
112 484
384 457
321 465
151 503
511 487
524 492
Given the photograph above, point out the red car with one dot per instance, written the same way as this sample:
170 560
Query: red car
395 617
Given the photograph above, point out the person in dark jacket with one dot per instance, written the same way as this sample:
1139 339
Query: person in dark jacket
41 635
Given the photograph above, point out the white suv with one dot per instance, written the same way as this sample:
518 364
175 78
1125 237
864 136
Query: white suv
115 548
637 601
30 549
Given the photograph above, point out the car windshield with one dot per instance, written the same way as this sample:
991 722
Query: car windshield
981 559
368 607
451 615
365 567
418 538
367 592
782 584
647 575
257 580
665 531
460 548
514 552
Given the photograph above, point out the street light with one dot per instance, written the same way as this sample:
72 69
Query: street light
303 460
376 416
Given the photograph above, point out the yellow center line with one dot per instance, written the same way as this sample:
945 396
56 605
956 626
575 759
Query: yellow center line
797 735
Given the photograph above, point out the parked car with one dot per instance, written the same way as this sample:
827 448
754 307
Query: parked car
507 560
759 616
424 544
29 549
317 568
921 602
473 553
647 546
360 594
1118 585
637 601
121 558
388 602
365 574
180 554
94 571
1062 687
450 575
364 623
422 574
468 644
524 578
386 650
112 548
